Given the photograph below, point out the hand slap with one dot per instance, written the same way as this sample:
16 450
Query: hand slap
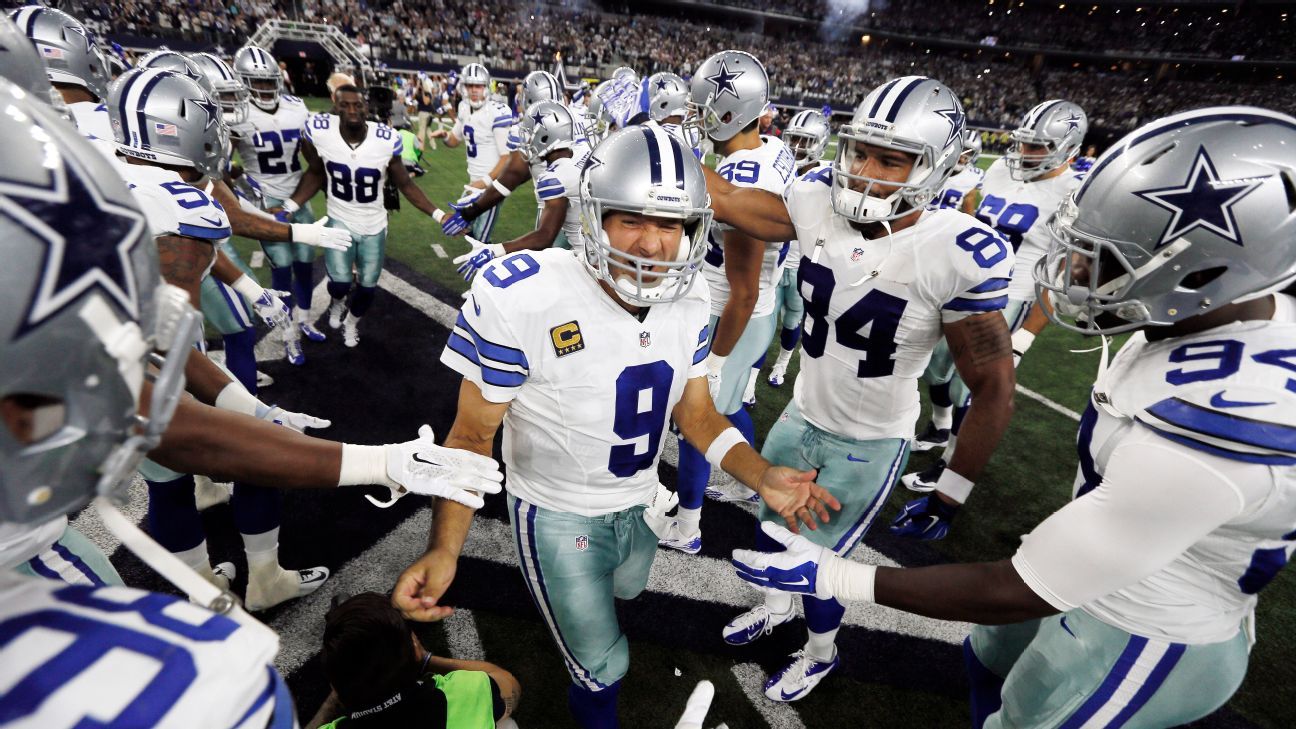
796 569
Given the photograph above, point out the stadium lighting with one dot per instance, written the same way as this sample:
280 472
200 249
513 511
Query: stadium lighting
866 39
1061 6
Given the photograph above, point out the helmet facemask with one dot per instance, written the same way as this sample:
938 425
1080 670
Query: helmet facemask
631 277
856 197
1027 167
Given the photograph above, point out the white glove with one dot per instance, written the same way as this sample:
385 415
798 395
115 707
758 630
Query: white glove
297 421
655 515
1021 341
271 308
315 234
422 467
714 364
478 256
794 570
699 703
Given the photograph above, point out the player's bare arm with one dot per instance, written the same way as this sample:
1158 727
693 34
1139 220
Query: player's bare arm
412 192
760 214
184 261
970 202
245 223
312 180
547 229
982 352
743 258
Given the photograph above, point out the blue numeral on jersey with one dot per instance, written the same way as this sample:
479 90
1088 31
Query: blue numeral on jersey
1011 220
635 419
187 196
471 139
878 308
715 249
745 172
976 241
516 268
271 160
363 188
1226 353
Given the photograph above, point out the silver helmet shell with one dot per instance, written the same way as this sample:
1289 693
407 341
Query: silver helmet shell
971 150
600 117
541 86
68 48
915 115
260 74
1057 126
668 96
179 63
729 91
545 127
625 73
475 74
645 170
163 117
84 307
235 99
21 66
1182 216
807 135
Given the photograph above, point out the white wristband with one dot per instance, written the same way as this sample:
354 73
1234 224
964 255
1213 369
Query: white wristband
954 485
363 465
499 187
1022 341
235 398
715 363
722 444
438 215
247 287
290 206
847 580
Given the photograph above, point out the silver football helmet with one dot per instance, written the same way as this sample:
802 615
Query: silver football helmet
68 48
1182 216
20 65
645 170
625 73
807 136
600 119
170 60
163 117
729 91
668 96
971 150
475 74
1057 126
83 309
545 127
235 99
914 114
541 86
260 74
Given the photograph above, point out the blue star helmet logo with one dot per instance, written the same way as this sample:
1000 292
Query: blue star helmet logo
724 80
955 116
209 109
662 84
89 40
1073 121
538 118
1202 201
88 241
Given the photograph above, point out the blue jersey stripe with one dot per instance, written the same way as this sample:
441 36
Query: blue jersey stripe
550 194
992 284
490 375
198 231
497 352
1084 443
994 304
1214 450
1248 431
1265 565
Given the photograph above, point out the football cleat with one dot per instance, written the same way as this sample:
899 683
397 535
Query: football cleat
753 624
208 494
930 438
264 380
777 374
221 575
925 480
351 332
293 351
676 539
311 333
735 492
273 585
336 311
799 677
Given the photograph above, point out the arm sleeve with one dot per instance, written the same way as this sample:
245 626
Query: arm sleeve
483 348
982 265
698 368
1155 502
550 186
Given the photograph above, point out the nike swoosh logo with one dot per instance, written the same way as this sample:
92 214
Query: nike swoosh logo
209 221
1067 628
476 306
1217 401
789 696
804 581
424 460
849 457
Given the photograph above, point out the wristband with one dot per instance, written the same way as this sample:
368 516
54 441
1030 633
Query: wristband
722 444
248 288
847 580
500 188
438 215
954 485
715 363
364 465
290 206
235 398
1022 339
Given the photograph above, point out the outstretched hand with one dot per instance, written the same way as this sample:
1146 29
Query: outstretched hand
796 497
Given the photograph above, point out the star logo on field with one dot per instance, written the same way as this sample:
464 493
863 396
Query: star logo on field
723 80
1202 201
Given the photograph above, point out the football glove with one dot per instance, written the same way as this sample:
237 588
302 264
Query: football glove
699 703
315 234
655 515
796 569
297 421
478 256
927 518
271 308
714 364
422 467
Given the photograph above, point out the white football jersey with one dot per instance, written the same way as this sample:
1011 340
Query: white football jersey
1020 211
21 542
689 137
561 178
92 120
173 206
478 129
269 150
1223 398
79 655
792 261
355 175
957 187
590 386
769 167
874 308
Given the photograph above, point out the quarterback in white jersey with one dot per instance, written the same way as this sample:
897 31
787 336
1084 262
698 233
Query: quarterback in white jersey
1185 496
482 125
584 362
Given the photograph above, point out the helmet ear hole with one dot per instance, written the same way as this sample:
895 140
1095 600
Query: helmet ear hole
1197 280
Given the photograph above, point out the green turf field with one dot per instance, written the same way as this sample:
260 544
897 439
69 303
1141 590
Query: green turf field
1029 477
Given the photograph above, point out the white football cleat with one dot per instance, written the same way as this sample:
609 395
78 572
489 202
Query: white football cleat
273 585
735 492
800 676
292 346
755 623
924 481
777 374
930 438
336 311
264 380
311 333
351 331
208 494
220 575
678 540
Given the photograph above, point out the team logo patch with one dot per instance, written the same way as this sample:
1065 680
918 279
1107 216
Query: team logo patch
582 543
567 338
857 254
645 339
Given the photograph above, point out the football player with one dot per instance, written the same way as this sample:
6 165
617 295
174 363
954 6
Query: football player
883 278
667 97
1019 193
1133 604
481 125
74 65
728 94
355 157
584 361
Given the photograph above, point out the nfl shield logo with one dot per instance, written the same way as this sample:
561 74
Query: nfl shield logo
645 339
582 543
857 254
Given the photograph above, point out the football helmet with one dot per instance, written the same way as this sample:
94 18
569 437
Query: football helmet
1057 126
668 96
21 66
600 116
69 50
163 117
807 136
541 86
544 127
178 63
729 91
475 74
234 97
83 309
971 150
913 114
260 74
1182 216
643 169
625 73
